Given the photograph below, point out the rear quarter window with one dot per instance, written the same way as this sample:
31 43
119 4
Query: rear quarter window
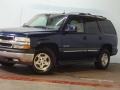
107 27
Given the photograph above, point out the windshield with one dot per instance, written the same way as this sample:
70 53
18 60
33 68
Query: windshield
46 21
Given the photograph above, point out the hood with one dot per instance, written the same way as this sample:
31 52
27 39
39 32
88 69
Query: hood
25 30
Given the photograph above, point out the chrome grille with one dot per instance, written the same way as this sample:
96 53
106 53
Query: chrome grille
2 37
5 41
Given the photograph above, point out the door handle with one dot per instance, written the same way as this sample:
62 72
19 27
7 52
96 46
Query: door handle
85 38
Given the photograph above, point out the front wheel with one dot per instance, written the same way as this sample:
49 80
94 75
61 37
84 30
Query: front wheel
103 59
44 61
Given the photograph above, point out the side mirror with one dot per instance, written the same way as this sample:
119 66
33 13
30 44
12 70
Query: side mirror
71 28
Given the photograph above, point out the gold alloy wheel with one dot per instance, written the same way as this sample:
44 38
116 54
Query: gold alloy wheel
104 59
42 61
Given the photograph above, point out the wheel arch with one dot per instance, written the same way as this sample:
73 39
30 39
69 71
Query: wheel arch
53 46
107 46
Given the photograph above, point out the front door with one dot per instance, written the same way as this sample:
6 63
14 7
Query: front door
74 43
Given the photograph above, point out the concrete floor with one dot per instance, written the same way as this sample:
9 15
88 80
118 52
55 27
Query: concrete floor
70 77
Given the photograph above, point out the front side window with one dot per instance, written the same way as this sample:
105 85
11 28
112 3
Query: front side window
47 20
77 22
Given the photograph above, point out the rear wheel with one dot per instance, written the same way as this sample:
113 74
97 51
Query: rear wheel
44 61
103 59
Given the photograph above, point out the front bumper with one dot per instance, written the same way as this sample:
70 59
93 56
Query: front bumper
21 55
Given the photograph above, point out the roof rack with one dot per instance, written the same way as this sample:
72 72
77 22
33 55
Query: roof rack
78 13
98 16
88 14
94 16
85 14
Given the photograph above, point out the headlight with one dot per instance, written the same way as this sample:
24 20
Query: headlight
22 43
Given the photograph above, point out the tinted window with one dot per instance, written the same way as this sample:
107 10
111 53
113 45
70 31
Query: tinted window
76 21
91 25
107 27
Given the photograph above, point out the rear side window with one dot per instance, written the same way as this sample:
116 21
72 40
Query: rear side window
107 27
91 25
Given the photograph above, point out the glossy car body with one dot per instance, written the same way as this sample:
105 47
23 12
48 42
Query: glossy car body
96 32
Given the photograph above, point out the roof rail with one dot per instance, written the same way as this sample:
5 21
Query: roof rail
79 13
85 14
98 16
94 16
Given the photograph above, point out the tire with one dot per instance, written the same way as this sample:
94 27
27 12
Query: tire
103 59
44 61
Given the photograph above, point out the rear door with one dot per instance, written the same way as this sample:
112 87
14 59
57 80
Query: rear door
93 35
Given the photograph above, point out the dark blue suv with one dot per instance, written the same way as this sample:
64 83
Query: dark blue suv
48 39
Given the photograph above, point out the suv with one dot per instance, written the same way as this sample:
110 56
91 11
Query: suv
47 39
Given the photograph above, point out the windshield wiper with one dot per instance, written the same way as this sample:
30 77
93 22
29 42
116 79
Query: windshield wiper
44 27
26 26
